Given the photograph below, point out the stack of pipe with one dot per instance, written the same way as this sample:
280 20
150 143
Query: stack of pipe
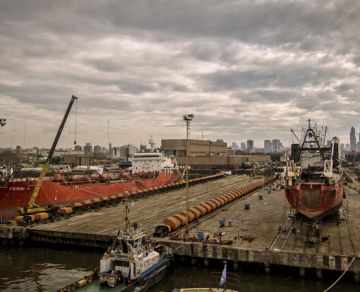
178 220
114 199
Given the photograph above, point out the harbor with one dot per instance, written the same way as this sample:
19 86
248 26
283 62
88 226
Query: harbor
300 217
258 228
179 146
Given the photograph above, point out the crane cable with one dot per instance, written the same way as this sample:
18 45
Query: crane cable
338 279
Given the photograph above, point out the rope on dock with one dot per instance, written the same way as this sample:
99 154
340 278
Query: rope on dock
338 279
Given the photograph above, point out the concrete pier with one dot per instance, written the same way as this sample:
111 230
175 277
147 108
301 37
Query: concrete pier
270 233
263 231
97 227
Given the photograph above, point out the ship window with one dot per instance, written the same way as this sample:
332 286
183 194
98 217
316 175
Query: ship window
121 263
124 246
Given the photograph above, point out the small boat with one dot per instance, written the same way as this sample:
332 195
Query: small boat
133 263
314 179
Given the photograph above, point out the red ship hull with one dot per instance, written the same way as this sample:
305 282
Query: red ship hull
14 194
315 199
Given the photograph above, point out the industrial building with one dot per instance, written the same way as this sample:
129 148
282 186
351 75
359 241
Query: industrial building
177 147
78 159
124 151
223 162
208 154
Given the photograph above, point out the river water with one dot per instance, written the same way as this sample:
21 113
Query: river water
49 269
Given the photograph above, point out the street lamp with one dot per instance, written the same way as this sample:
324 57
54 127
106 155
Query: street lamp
187 118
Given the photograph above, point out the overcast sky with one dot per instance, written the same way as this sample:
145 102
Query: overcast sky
245 69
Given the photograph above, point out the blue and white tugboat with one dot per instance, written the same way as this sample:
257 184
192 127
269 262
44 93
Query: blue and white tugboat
133 263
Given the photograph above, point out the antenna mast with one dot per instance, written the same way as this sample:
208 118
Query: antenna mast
127 210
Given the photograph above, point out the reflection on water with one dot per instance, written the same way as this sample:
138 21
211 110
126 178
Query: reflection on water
44 269
250 281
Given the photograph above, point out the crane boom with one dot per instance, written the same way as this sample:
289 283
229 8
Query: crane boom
31 207
58 134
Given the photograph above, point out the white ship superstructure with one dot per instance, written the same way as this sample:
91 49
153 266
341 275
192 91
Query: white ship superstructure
153 162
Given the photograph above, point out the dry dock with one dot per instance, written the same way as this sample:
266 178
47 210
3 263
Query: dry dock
267 232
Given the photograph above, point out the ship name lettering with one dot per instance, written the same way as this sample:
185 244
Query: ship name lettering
17 188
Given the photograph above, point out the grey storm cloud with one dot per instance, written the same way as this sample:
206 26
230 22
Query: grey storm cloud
246 69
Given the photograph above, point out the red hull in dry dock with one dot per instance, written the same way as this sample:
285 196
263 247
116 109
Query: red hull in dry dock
315 200
314 184
16 193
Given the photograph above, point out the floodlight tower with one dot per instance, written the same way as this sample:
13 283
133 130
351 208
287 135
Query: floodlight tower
187 118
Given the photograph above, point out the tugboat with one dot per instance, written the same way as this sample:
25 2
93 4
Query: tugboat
132 263
314 183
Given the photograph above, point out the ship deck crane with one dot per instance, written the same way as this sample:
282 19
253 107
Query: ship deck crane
31 207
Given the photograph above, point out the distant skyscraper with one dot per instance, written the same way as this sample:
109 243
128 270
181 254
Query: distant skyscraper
88 148
267 146
234 146
243 146
352 139
275 145
78 148
97 149
250 145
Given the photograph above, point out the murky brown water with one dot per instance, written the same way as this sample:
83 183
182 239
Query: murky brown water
44 269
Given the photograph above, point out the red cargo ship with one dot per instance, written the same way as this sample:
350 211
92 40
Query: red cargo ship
17 192
314 181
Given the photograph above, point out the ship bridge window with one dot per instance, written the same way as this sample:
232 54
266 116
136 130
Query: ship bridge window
121 263
125 247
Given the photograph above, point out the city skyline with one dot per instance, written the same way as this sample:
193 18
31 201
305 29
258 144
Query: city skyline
260 143
248 70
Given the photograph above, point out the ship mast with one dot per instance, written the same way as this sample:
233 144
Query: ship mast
127 211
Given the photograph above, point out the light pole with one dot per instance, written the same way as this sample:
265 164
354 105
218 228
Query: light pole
187 118
209 157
